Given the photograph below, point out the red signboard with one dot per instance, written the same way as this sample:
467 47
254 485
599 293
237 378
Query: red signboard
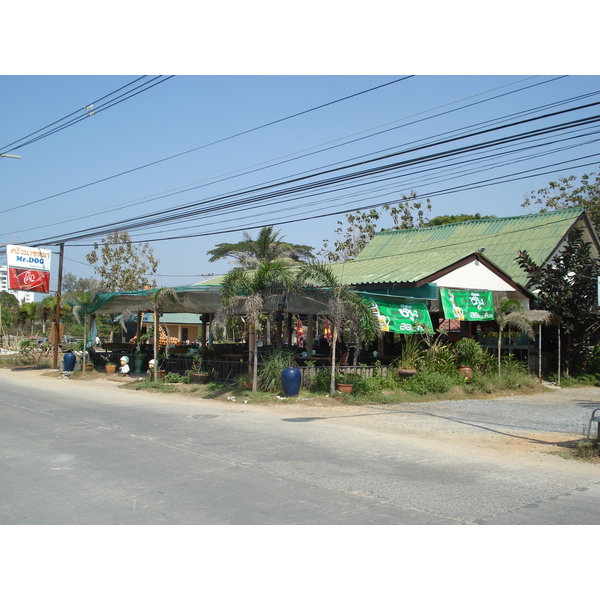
28 268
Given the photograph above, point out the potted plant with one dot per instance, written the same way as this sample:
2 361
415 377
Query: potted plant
345 382
197 374
111 368
468 355
411 354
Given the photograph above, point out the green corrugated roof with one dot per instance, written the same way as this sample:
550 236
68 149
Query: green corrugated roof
410 255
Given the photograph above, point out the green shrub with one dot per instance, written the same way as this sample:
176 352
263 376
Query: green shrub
173 378
431 382
469 353
439 358
269 369
321 381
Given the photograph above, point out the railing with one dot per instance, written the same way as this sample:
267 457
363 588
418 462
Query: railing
365 371
226 371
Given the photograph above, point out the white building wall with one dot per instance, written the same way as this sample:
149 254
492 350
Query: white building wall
475 276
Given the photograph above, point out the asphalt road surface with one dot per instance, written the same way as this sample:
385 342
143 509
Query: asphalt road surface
75 452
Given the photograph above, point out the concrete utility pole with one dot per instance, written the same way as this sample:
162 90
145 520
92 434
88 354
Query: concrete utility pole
57 339
9 156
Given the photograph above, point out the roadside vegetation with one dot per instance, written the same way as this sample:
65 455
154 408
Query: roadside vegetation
436 377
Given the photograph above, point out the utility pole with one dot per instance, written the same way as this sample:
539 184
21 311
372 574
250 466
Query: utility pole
9 156
57 308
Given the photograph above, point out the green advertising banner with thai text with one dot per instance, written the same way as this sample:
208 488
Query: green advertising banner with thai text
467 305
401 317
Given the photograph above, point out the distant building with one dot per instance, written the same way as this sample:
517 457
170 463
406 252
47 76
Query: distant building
21 295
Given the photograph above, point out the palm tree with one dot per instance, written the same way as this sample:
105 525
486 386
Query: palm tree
509 313
83 300
345 308
267 247
246 292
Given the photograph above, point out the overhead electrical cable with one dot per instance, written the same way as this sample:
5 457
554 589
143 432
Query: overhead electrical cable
268 191
197 208
68 116
213 180
156 162
480 160
25 141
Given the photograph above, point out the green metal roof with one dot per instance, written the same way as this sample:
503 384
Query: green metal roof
410 255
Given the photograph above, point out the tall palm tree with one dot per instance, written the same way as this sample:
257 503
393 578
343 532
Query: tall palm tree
246 292
82 301
267 247
509 313
345 308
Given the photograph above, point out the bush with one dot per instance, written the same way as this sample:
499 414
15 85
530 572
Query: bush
173 378
321 381
469 353
431 382
269 370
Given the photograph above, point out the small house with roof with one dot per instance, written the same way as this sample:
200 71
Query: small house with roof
449 269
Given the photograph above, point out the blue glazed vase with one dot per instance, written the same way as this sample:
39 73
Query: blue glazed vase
291 378
69 361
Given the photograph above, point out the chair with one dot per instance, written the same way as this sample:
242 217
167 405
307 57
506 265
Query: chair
595 418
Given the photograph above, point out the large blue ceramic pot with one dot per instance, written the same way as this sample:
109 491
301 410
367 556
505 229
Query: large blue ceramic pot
291 378
69 360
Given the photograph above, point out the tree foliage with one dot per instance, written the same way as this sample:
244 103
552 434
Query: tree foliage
122 265
73 284
9 305
509 313
568 287
246 292
267 247
345 309
446 219
361 226
568 193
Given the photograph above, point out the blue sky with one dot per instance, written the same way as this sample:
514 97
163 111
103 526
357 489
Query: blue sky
240 67
187 112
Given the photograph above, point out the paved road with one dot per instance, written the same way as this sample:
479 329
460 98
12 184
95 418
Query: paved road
87 453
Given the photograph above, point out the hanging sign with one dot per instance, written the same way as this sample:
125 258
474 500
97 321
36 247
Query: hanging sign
28 268
401 317
467 305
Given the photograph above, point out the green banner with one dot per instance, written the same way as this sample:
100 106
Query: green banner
401 318
467 305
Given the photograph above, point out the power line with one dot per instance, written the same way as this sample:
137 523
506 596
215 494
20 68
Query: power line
156 162
29 139
266 192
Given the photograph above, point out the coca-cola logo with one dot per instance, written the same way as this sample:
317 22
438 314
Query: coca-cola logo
31 278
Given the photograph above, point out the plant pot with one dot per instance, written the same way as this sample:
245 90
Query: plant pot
466 372
344 388
110 369
199 377
406 372
291 380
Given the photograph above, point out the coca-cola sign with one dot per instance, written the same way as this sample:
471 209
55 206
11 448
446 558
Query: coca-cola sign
28 268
